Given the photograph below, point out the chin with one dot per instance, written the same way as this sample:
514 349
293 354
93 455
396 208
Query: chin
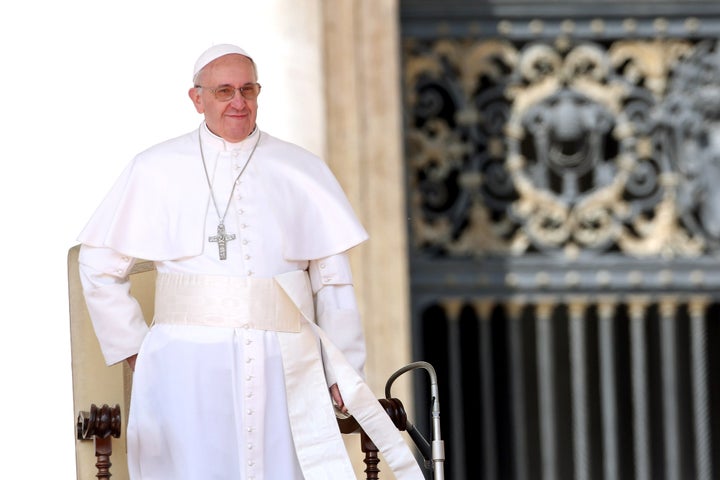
238 134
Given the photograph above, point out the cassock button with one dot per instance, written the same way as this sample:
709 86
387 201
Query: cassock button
249 446
249 360
248 378
250 411
247 257
245 241
251 463
248 341
322 265
250 429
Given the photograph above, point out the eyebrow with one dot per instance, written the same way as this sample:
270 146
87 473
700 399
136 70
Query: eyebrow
230 85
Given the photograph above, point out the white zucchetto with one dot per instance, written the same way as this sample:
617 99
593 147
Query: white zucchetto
215 52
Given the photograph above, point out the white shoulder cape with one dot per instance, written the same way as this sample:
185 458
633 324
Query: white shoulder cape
156 209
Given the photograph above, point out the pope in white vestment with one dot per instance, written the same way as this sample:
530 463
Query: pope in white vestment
230 381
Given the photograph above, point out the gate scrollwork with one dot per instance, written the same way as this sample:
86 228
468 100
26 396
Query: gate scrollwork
564 149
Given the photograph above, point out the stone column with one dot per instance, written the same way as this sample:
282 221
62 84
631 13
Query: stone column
364 146
364 149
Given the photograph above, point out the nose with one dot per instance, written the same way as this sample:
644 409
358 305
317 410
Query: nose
237 100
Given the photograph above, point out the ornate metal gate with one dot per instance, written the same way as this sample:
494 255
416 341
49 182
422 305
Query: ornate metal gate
563 165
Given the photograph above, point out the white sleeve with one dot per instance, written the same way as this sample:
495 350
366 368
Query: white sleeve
116 316
336 309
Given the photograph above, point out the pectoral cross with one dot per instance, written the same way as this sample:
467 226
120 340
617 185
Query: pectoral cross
222 238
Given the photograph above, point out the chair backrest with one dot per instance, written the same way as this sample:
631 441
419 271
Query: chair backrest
94 383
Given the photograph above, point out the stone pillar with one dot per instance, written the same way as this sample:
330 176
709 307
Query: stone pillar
364 149
364 146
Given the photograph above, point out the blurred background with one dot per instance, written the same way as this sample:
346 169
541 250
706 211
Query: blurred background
539 180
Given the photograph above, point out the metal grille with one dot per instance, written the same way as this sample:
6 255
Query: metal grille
607 389
562 164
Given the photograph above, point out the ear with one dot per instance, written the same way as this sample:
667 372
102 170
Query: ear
194 94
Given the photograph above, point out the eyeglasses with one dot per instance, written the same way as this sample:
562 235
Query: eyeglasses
225 93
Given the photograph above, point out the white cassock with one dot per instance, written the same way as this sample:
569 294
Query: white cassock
222 398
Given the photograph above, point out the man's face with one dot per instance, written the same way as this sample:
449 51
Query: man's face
232 120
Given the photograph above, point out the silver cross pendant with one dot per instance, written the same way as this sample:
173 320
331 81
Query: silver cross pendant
222 238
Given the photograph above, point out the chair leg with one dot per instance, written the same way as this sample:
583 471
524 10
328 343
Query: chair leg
371 457
103 451
100 425
396 411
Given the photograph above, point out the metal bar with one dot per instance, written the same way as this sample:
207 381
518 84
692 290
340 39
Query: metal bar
452 309
487 392
608 390
670 403
546 394
578 377
517 391
638 359
699 378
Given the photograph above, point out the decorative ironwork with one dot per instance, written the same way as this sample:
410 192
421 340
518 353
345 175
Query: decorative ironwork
568 148
562 162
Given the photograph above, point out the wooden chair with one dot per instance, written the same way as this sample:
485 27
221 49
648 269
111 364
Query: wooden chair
101 394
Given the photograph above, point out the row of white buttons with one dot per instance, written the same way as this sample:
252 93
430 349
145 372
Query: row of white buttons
241 211
249 394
